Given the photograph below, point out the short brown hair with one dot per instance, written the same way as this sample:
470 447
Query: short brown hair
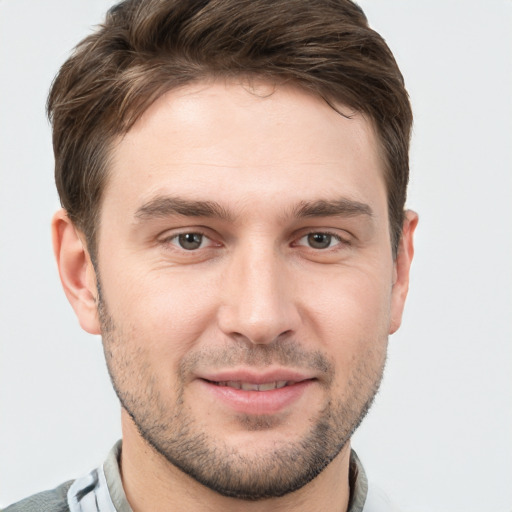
148 47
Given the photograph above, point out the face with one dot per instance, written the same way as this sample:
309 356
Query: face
247 282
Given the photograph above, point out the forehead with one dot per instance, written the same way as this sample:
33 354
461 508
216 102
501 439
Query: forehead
245 143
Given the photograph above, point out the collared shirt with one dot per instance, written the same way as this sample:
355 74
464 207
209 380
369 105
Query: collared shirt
102 491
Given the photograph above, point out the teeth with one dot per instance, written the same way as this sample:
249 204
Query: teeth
249 386
267 386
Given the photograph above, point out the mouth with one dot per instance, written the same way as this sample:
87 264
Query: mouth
250 393
252 386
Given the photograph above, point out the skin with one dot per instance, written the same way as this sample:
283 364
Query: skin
278 283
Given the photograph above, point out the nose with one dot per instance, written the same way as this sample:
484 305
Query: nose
259 303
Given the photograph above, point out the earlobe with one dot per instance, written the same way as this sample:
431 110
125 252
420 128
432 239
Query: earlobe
403 262
76 271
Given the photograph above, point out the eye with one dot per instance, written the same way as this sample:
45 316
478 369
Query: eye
320 240
190 241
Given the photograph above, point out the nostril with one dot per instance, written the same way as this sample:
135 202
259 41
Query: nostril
258 322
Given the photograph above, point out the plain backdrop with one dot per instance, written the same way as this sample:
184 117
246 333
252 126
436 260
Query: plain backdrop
439 437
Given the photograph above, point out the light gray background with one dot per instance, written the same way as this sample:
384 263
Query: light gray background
440 435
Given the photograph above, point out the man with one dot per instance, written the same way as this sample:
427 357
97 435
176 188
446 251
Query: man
233 177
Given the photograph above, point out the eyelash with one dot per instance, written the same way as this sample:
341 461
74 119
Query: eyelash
175 237
335 236
174 240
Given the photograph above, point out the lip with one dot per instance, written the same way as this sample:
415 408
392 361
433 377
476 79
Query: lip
257 377
257 402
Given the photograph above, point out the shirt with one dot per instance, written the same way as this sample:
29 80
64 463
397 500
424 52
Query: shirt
101 490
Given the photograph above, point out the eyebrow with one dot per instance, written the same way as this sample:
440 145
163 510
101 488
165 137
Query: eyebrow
336 208
166 206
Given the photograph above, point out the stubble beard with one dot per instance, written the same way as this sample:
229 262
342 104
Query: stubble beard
173 432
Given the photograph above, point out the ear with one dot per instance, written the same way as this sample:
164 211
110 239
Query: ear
402 264
76 271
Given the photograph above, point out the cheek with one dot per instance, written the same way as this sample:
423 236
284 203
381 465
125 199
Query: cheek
350 314
354 335
163 313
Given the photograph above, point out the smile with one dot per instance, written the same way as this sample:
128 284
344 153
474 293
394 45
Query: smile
257 396
250 386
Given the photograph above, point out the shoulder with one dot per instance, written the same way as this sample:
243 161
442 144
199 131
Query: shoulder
47 501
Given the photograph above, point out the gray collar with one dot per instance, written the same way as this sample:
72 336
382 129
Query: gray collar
92 489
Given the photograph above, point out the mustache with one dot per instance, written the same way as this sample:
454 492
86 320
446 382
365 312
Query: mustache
286 353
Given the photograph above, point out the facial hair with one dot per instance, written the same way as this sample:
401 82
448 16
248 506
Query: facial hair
175 433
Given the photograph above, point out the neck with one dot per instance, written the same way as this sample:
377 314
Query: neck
152 483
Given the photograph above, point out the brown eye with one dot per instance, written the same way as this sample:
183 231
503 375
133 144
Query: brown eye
190 241
319 240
